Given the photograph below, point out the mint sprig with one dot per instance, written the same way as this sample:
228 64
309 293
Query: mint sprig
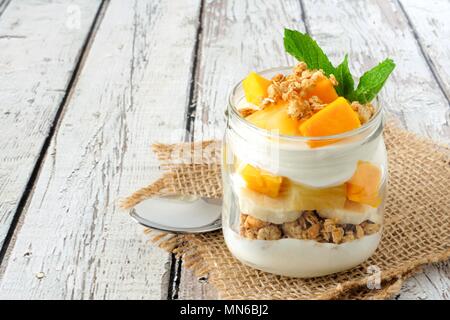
304 48
372 81
345 79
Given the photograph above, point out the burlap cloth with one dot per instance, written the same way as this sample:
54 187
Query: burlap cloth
417 224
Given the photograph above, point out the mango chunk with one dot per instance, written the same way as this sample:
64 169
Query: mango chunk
324 90
337 117
255 88
275 117
261 117
261 181
363 187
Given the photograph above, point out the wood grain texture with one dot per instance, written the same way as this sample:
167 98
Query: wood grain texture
431 24
36 64
433 283
3 5
373 30
75 242
72 240
193 287
237 37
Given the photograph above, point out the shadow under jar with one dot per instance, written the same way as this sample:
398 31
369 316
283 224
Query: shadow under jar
327 215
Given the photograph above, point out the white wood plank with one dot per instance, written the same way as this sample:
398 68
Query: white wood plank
131 92
431 23
237 37
3 5
35 66
433 283
197 288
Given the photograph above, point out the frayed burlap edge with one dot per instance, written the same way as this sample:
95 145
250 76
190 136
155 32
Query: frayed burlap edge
190 247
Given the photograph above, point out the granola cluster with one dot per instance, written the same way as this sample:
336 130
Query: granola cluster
294 88
365 111
245 112
310 226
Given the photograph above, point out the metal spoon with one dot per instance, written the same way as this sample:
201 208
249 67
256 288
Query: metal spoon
179 214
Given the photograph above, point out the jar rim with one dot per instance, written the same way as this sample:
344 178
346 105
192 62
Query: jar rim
373 122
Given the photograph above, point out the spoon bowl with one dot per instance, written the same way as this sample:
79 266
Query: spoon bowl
179 214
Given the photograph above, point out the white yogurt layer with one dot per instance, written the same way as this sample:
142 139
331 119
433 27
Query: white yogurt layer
320 167
301 258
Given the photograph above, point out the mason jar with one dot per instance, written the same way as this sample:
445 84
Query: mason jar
302 206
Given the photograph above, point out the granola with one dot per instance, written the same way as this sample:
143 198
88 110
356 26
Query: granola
309 226
270 232
365 111
294 88
245 112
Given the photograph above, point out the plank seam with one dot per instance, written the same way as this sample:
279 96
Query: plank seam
303 17
192 97
133 54
174 278
28 191
426 57
176 264
3 5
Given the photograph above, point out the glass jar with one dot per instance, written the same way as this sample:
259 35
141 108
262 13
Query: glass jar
302 206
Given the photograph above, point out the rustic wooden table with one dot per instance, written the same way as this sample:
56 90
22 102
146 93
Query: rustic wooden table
87 85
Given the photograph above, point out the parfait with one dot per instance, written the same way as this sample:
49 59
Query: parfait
304 165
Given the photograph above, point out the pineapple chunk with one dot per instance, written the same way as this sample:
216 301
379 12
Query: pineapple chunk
316 199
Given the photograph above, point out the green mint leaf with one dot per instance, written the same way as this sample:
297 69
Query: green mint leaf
304 48
372 81
344 77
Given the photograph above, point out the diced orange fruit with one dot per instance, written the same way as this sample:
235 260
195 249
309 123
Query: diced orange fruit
275 117
282 121
363 187
261 181
324 90
337 117
255 88
319 198
261 117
